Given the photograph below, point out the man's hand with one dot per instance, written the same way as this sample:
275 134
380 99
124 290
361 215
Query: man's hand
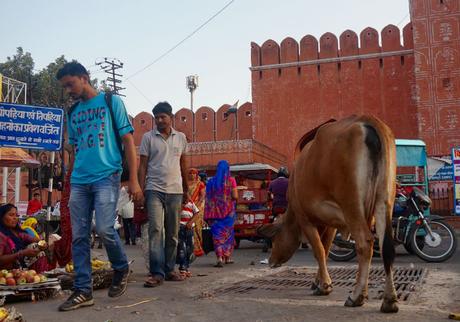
135 192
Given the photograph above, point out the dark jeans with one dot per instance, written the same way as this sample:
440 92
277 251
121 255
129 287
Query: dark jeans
163 213
130 230
185 247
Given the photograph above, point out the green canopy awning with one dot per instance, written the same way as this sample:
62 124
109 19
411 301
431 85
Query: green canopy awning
410 153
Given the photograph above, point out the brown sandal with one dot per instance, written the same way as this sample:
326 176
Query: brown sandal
153 282
174 277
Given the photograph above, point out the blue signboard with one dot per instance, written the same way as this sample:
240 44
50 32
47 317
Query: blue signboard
456 164
31 127
444 174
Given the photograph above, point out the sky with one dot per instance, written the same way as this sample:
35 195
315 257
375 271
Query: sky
138 32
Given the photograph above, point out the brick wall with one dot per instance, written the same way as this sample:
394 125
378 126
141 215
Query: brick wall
312 81
410 79
437 72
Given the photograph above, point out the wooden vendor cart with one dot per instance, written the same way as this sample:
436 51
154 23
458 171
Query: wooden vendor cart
254 206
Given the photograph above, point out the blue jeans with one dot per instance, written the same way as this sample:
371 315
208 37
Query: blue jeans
185 247
102 196
163 213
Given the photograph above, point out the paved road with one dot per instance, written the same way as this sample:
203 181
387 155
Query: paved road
196 299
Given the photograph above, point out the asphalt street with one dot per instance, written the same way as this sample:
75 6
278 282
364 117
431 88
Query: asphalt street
200 298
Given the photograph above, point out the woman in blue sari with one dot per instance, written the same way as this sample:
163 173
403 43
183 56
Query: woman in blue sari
221 194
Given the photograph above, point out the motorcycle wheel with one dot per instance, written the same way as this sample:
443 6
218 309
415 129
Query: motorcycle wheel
437 249
408 247
341 254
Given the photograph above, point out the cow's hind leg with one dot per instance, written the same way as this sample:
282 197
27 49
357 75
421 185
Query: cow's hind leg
323 284
364 242
387 251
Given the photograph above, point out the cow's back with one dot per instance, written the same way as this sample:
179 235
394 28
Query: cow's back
334 171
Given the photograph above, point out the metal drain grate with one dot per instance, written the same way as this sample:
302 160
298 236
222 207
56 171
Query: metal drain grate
406 281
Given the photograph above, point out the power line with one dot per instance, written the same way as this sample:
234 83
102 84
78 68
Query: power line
402 20
182 41
140 92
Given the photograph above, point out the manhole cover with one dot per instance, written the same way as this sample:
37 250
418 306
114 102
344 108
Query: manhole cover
293 280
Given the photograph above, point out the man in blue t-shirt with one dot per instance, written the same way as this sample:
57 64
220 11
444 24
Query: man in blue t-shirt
95 180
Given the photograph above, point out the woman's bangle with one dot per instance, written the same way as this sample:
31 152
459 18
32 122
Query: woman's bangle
20 254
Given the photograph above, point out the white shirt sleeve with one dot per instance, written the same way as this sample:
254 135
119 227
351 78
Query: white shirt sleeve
145 144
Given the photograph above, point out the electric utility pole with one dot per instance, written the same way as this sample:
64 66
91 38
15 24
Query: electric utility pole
110 66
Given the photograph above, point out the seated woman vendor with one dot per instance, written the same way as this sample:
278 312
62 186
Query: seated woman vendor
18 249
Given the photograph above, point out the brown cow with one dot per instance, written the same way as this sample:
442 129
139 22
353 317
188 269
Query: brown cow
342 179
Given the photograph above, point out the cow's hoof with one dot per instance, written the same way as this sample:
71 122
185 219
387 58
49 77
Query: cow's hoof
321 291
314 285
358 302
389 306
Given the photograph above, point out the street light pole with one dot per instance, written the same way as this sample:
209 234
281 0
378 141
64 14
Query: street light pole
192 85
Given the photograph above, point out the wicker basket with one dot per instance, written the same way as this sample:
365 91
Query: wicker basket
101 279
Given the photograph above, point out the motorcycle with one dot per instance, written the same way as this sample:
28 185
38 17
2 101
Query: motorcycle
429 237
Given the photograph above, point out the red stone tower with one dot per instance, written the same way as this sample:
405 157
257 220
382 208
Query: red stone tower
436 33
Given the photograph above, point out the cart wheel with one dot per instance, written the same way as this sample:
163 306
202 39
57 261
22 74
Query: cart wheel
237 243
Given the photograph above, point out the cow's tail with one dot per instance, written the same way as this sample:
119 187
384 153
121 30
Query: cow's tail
382 152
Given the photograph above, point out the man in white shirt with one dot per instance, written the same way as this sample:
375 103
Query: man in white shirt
162 175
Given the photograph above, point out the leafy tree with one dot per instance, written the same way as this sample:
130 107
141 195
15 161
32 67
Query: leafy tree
19 67
44 88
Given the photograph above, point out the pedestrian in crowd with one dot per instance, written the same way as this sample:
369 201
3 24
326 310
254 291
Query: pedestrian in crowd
30 227
18 249
127 214
203 177
95 179
278 192
34 205
163 177
221 195
185 248
197 192
142 222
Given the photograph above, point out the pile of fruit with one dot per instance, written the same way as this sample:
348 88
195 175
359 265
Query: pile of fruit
96 265
20 277
10 315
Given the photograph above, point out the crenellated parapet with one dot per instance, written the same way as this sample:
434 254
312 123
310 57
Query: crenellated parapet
272 58
210 125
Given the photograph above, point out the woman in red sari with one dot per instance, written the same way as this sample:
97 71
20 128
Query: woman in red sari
197 193
15 250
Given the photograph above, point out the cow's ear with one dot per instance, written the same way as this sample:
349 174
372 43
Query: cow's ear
269 230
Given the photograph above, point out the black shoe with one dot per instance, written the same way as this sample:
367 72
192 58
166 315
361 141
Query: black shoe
119 283
127 243
76 300
133 243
